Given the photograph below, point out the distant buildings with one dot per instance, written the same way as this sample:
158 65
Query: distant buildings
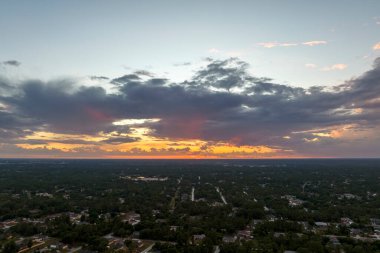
245 234
346 221
44 194
293 201
198 238
144 179
375 223
348 196
229 238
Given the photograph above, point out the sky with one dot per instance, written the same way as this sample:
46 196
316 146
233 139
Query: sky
189 79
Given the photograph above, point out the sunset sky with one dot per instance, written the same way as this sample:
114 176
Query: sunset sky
189 79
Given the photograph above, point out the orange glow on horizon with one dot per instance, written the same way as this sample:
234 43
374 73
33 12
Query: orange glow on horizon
146 146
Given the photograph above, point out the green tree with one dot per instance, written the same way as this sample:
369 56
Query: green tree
10 247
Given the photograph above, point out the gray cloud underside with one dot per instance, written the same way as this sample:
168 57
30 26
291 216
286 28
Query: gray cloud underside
99 78
12 63
207 106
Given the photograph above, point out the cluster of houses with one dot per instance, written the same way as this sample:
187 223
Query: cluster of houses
46 244
375 223
241 235
348 196
144 179
40 243
293 201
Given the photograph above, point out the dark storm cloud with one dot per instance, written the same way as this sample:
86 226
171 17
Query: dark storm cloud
126 79
222 102
111 140
13 126
86 110
99 78
261 114
144 73
120 140
223 74
13 63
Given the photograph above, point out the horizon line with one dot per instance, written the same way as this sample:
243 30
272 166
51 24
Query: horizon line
195 159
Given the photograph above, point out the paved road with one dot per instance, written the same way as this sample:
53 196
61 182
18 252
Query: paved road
221 195
148 249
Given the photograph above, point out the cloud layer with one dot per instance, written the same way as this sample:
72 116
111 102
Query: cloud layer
222 111
13 63
311 43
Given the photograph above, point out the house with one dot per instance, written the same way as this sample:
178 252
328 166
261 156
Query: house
321 224
75 217
271 217
348 196
115 243
44 194
197 239
375 223
161 220
292 200
304 224
229 238
217 204
334 241
244 234
155 212
174 228
355 232
8 224
278 234
131 217
346 221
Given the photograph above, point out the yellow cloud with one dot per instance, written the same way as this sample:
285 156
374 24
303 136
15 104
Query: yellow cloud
54 145
146 146
322 134
229 148
338 66
348 131
311 139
